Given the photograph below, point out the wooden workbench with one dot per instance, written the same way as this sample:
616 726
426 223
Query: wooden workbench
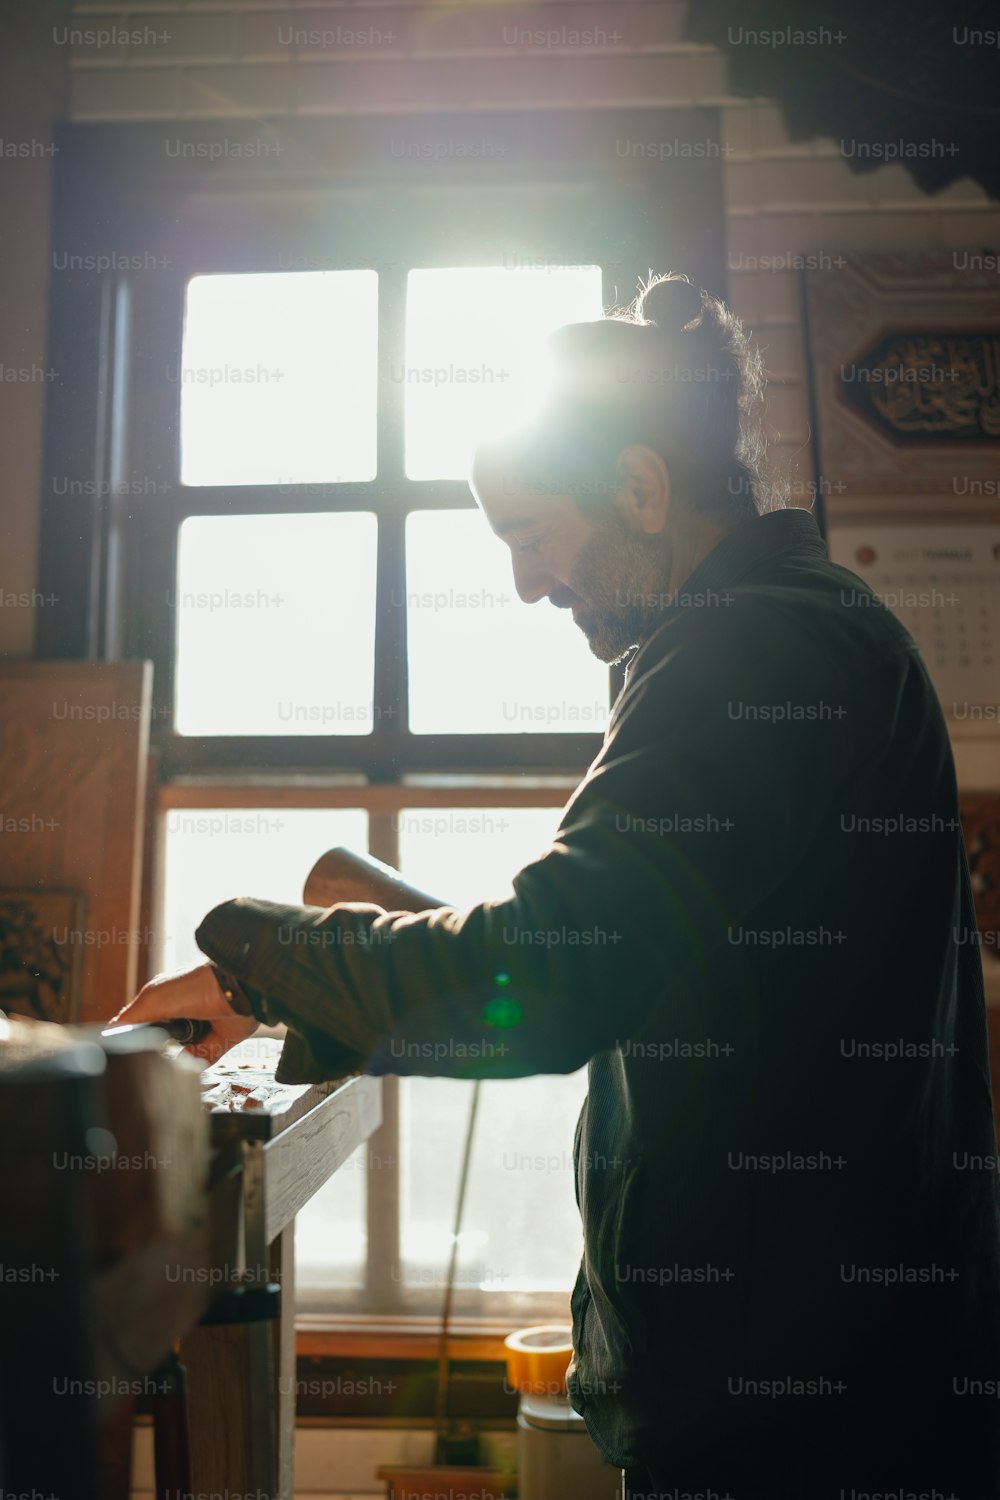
145 1202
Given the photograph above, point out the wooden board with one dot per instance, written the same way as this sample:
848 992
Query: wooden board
305 1132
74 741
243 1097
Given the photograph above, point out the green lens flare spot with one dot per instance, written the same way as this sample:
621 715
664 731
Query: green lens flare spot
502 1011
501 979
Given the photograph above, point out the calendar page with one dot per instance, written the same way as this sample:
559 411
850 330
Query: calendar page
943 583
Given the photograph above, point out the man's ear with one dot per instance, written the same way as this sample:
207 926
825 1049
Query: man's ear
643 494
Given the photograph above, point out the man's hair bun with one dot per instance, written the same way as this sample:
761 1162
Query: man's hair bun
671 303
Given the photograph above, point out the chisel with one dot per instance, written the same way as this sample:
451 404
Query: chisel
183 1029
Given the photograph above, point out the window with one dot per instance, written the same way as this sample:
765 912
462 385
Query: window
255 460
278 378
512 668
279 622
212 854
336 600
276 634
276 625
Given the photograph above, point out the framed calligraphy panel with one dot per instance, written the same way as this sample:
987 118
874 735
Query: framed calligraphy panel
904 354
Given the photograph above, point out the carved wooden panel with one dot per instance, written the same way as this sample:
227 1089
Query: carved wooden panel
905 372
74 741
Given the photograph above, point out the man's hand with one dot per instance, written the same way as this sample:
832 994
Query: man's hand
196 994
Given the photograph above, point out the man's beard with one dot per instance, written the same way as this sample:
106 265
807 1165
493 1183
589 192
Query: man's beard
623 580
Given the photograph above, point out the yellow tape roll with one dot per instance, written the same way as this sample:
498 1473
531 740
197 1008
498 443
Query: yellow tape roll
538 1358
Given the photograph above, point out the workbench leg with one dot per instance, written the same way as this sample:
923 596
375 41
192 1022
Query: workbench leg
273 1371
281 1255
114 1453
231 1405
242 1376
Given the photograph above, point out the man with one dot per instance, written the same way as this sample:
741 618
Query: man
786 1163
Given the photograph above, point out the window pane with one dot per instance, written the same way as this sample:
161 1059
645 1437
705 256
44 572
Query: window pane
212 855
276 624
522 1228
475 353
480 661
278 378
215 853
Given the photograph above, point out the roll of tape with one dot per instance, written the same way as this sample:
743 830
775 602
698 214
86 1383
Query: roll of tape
538 1358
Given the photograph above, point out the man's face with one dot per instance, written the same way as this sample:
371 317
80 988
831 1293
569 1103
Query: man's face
610 575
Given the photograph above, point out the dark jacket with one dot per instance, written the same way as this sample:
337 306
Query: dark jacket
755 925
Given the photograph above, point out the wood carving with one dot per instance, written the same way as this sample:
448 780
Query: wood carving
41 954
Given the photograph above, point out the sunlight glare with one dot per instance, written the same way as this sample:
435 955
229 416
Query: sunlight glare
475 353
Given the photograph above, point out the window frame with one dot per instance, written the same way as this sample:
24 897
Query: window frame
316 198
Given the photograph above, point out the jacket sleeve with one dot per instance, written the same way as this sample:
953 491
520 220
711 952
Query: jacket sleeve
721 761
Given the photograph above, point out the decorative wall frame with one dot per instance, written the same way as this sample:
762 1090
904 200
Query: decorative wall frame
904 353
41 954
